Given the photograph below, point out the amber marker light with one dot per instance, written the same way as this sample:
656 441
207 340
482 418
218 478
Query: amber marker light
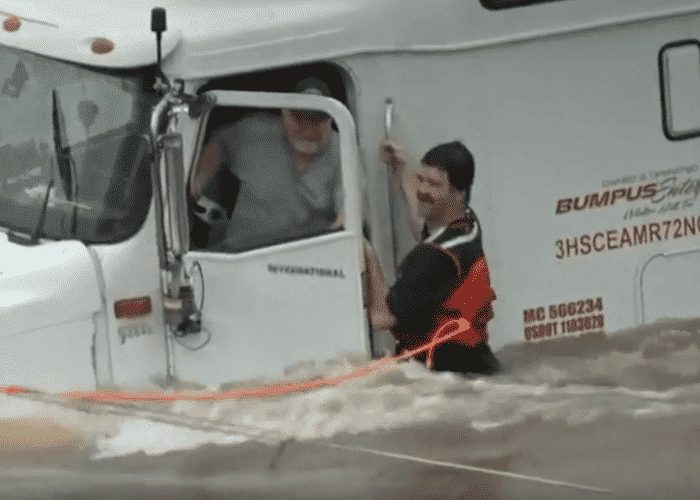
102 46
11 23
132 308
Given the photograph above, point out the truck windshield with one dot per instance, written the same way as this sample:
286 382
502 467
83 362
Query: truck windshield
84 130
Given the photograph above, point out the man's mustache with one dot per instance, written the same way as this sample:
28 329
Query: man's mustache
424 197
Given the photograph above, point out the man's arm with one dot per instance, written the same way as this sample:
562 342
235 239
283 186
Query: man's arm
430 275
380 316
339 204
209 162
403 179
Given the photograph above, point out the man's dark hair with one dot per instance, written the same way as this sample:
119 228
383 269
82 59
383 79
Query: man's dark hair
454 158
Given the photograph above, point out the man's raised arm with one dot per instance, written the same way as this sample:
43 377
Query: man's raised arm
403 178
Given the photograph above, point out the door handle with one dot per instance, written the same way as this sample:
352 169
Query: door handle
388 116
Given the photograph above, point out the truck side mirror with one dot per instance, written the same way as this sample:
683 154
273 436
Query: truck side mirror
175 197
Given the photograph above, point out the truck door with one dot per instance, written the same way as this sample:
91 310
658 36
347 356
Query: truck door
273 300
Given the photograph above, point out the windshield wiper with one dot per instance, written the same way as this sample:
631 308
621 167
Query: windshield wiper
33 239
66 165
42 216
63 158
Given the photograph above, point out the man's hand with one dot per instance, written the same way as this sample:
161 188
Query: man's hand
394 155
339 222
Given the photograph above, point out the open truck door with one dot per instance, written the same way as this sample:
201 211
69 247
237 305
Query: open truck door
270 306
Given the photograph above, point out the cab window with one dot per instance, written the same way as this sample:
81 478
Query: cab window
266 177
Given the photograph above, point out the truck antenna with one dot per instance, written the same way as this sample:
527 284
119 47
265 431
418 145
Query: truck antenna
158 26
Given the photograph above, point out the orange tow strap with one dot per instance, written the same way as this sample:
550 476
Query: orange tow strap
461 324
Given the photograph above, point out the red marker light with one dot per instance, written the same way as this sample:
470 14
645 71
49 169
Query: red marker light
132 308
11 23
102 46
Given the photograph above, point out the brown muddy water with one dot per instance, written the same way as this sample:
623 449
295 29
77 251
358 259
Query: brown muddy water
597 416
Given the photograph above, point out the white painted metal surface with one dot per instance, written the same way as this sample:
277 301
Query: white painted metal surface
66 30
229 36
136 347
49 302
30 299
264 316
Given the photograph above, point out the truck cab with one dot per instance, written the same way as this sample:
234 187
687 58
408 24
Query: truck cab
581 117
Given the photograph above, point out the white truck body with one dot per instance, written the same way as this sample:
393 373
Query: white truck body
583 118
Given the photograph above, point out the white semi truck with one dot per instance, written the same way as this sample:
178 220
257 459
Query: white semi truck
583 117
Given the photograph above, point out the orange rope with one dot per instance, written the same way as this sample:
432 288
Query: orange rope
462 325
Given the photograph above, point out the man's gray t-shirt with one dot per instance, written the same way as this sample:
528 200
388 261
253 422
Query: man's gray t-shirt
276 202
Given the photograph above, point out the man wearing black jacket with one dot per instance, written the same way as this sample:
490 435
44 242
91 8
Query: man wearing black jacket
445 276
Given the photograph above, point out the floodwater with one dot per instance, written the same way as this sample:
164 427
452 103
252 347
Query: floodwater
598 416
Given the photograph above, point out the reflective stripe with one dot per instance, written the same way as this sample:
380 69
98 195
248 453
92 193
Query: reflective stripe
465 238
435 234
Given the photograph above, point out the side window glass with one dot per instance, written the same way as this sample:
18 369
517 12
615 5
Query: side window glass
679 69
265 177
